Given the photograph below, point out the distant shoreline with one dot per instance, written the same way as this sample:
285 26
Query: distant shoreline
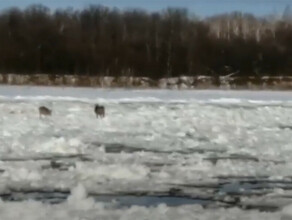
182 82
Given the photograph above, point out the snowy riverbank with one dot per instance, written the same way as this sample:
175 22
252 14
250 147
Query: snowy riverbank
183 82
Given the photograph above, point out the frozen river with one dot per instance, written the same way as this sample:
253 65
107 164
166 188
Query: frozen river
158 154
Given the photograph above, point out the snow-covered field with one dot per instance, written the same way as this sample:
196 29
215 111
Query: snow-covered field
158 154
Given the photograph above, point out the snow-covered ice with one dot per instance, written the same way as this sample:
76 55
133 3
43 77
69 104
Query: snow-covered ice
220 154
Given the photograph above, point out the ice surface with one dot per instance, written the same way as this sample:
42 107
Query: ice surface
231 148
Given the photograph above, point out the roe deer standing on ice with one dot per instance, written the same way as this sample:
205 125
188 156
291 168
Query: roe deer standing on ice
44 111
99 111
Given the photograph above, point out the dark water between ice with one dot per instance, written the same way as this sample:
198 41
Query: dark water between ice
228 191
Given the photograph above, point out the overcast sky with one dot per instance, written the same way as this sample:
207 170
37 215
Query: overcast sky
199 7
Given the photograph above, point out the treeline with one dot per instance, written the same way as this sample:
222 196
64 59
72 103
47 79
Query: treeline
107 42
